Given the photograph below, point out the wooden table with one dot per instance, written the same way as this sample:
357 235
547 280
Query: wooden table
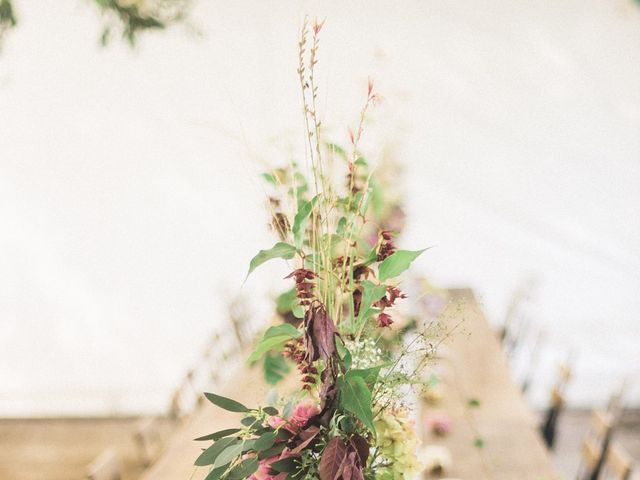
474 367
176 463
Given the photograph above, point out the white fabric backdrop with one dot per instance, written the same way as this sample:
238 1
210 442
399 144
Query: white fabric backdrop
129 208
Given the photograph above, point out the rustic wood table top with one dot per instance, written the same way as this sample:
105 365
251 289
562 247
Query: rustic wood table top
494 434
473 368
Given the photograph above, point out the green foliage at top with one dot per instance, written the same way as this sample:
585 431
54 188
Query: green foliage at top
226 403
300 220
397 263
274 368
274 339
130 17
279 250
8 18
288 302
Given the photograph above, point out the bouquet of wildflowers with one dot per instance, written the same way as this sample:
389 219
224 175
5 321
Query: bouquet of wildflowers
349 418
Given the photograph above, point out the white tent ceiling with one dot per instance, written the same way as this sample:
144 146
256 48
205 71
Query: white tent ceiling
129 207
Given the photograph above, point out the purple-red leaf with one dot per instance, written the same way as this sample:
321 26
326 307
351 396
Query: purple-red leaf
307 437
350 469
332 460
361 447
320 334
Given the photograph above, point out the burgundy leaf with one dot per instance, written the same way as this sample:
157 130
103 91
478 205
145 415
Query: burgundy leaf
350 467
307 436
319 334
332 460
361 447
357 301
356 474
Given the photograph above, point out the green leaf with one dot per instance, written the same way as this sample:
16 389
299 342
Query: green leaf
274 338
285 301
287 410
377 198
355 204
218 435
244 469
208 457
298 311
371 293
344 353
342 224
398 262
279 250
337 149
265 441
284 434
270 410
249 421
369 375
229 454
286 465
473 403
288 302
360 162
272 452
355 397
216 473
270 177
300 220
274 368
226 403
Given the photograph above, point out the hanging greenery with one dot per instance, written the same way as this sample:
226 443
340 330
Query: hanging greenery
7 18
127 18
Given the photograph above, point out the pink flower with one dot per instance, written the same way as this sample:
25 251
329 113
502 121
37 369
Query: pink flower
302 412
275 421
438 423
264 470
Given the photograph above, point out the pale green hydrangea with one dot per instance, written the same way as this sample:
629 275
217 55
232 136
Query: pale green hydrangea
398 445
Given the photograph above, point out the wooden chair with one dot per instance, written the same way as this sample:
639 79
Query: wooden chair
615 404
595 444
564 376
240 320
556 406
176 410
148 441
105 467
550 423
534 356
617 465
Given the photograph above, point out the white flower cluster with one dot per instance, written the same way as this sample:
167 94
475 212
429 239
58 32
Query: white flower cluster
364 353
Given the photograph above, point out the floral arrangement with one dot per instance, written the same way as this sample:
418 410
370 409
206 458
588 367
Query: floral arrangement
356 356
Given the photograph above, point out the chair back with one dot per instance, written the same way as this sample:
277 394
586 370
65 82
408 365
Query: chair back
548 428
595 445
106 466
147 440
617 465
